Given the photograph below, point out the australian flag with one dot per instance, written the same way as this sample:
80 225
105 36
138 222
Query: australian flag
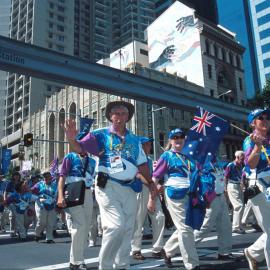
204 136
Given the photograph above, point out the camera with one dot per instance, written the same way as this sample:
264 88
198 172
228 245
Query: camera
102 179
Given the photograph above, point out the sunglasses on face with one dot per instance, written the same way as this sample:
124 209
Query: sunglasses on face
182 136
261 117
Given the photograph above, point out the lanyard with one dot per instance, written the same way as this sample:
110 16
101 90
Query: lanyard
121 145
188 162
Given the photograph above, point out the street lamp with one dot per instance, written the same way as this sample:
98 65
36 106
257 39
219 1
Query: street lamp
225 93
154 129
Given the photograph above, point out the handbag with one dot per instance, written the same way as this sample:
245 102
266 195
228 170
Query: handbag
176 193
74 193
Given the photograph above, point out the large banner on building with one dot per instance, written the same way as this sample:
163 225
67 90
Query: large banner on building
174 43
6 158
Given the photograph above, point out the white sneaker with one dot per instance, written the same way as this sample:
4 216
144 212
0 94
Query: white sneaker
252 263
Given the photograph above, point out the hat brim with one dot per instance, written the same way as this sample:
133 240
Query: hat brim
266 111
116 103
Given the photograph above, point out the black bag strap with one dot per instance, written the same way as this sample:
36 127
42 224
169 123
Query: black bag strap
85 166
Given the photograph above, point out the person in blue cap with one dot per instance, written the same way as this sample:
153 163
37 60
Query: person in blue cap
120 158
45 206
76 167
157 217
257 151
176 169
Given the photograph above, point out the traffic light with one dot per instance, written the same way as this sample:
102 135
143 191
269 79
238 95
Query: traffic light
28 139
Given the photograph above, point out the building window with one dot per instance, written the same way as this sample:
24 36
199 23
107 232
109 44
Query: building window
61 38
212 92
94 116
231 58
61 18
238 61
50 35
161 139
240 84
209 69
60 28
144 52
61 9
50 14
50 25
51 5
207 47
60 48
223 54
215 51
50 45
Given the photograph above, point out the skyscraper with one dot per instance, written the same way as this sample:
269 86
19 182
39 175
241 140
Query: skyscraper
5 6
235 16
48 24
260 20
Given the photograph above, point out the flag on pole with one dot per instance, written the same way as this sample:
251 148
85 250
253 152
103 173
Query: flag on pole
85 125
54 166
204 136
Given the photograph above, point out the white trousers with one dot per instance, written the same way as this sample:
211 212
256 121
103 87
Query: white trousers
184 233
248 215
94 223
157 218
22 223
80 226
237 200
118 206
217 214
45 220
261 248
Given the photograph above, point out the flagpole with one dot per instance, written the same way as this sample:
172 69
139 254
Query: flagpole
263 148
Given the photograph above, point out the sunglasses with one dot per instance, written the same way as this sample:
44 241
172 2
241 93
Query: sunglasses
261 117
182 136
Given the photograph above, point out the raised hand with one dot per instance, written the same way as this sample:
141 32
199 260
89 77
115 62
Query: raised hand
70 129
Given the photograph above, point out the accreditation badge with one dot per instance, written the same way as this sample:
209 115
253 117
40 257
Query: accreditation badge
116 164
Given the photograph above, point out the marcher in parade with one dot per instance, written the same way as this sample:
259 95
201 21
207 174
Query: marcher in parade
233 176
77 167
10 187
45 207
217 215
21 198
120 156
3 212
257 149
157 217
178 170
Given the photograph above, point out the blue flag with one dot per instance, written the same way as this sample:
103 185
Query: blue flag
204 136
85 125
6 158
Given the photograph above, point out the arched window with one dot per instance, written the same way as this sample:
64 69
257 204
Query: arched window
51 137
61 146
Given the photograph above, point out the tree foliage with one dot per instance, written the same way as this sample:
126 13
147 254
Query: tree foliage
261 99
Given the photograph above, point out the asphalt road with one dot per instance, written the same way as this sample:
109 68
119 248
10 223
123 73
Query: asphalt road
16 255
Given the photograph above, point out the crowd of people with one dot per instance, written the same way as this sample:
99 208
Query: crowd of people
126 188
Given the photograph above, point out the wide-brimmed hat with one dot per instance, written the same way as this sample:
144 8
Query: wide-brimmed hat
118 103
255 113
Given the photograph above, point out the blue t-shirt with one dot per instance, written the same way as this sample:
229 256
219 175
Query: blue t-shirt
46 194
21 201
234 172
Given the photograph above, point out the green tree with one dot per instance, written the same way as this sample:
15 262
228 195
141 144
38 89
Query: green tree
261 99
